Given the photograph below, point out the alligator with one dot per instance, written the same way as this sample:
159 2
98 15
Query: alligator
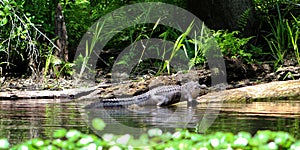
159 96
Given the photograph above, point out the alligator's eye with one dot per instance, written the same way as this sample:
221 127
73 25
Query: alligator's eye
203 86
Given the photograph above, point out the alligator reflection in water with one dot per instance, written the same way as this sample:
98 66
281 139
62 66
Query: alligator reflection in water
123 120
276 115
24 119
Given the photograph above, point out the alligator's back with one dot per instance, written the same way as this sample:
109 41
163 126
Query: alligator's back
161 96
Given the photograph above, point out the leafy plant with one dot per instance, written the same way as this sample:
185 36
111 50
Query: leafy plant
58 66
164 54
277 39
178 45
20 36
283 37
201 46
234 47
265 7
65 68
293 33
16 39
78 17
89 48
243 21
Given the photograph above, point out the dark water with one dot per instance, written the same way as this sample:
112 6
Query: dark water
22 120
26 119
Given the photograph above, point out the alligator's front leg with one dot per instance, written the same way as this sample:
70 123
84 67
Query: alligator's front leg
159 99
187 95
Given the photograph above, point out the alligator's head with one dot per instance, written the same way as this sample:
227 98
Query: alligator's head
195 90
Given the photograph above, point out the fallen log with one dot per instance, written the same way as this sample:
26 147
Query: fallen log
47 94
273 90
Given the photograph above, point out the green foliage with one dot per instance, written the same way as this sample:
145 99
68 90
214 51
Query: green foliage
17 43
89 48
80 61
200 45
22 22
58 66
234 47
20 34
277 39
80 15
42 13
77 27
195 48
283 37
264 6
229 43
178 45
281 32
127 36
147 31
293 34
243 21
156 139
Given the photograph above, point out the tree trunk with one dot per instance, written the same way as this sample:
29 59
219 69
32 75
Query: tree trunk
61 32
225 14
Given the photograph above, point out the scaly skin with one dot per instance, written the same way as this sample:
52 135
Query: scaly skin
160 96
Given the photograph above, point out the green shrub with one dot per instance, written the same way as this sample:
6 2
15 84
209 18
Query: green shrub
233 46
279 28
